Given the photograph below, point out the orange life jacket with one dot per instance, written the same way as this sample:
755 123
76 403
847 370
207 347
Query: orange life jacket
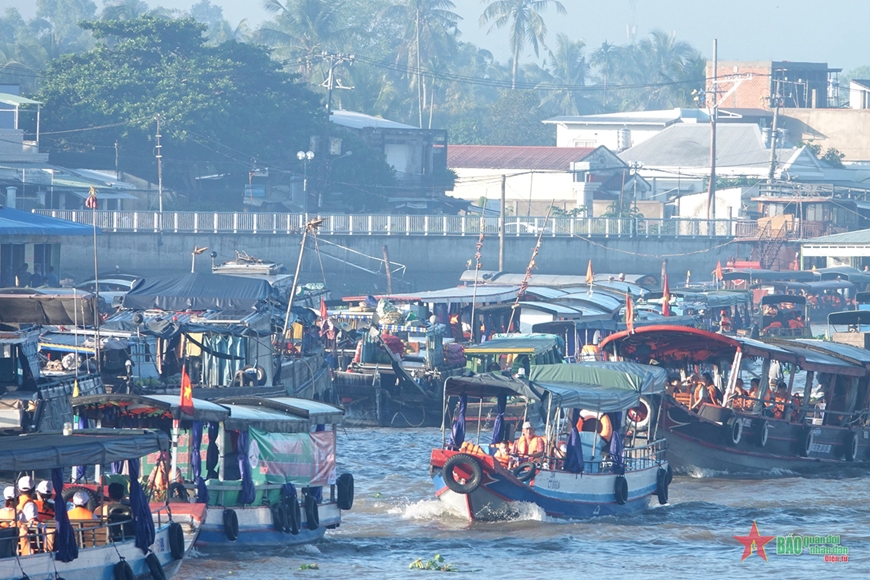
23 500
80 513
6 513
503 457
525 447
472 448
46 509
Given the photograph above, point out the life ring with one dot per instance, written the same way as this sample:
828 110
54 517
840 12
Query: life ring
806 443
294 515
123 571
662 485
525 471
257 370
760 428
734 431
620 490
279 521
851 445
231 525
601 423
155 567
177 492
469 464
176 541
312 512
71 490
640 415
344 485
71 361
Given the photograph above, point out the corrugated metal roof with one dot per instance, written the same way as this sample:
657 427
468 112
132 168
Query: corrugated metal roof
686 145
14 222
660 118
844 238
509 157
355 120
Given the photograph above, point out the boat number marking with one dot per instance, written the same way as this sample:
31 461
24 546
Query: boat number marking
597 510
161 545
820 448
747 422
553 483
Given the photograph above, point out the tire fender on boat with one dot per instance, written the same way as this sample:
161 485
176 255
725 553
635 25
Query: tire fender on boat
344 485
620 489
469 463
644 407
279 521
312 512
155 567
123 571
525 471
177 492
176 541
734 430
294 516
759 427
851 442
662 483
69 491
231 525
806 442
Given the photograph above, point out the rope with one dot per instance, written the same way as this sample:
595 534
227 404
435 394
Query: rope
319 258
643 255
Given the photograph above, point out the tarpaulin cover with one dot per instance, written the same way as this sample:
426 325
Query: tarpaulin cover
65 545
202 495
303 459
498 424
143 522
574 450
197 292
247 493
42 309
48 450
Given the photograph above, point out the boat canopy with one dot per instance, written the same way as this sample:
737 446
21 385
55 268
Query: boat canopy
783 299
42 308
850 317
314 411
815 360
601 300
820 285
168 405
197 291
516 344
770 275
672 344
848 352
559 309
844 272
242 417
458 295
35 451
600 387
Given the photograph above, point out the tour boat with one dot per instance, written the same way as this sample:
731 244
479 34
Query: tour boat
142 542
806 430
590 477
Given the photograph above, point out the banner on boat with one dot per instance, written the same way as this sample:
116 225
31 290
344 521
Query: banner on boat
303 459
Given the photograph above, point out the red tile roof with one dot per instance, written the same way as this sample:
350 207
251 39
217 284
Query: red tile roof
510 157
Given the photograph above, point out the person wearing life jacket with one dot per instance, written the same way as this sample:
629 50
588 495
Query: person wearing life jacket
529 446
27 510
503 454
7 512
740 397
471 448
780 399
44 502
79 511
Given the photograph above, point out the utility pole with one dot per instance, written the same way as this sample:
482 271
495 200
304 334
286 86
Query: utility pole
773 133
419 75
389 272
117 172
501 214
329 83
159 156
714 113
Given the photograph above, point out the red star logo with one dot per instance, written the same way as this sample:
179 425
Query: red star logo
754 542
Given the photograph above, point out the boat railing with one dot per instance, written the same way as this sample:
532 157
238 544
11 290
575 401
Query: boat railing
810 414
645 456
39 537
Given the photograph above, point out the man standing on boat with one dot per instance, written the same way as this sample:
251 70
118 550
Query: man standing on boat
529 446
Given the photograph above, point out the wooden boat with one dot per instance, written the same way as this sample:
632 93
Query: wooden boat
269 464
105 548
590 478
751 434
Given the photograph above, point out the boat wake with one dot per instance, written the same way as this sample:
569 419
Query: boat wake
702 473
425 509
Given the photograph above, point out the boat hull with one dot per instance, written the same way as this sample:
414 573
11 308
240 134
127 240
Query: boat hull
257 530
559 494
698 443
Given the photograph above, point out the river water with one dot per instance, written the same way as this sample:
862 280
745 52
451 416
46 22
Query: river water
396 520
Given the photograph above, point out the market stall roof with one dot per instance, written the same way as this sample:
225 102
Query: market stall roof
600 387
36 451
314 411
202 410
14 222
197 292
672 344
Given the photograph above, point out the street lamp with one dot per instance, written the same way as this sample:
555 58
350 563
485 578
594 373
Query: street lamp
328 173
305 157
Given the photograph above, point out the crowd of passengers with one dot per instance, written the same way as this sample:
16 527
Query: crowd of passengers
30 509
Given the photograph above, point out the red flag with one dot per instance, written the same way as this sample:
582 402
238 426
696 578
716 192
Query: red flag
324 313
91 202
186 403
666 298
629 314
719 270
589 277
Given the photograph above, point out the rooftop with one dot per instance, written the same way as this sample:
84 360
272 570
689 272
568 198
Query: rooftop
857 237
354 120
661 118
511 157
14 222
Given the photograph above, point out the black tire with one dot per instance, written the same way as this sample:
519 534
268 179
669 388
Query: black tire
312 513
759 427
294 515
279 514
69 491
734 431
231 525
176 541
620 489
806 443
261 375
177 492
123 571
155 567
344 485
662 485
468 462
851 442
525 471
670 474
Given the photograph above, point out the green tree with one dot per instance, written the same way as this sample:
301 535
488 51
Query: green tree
57 25
515 119
566 67
525 25
123 9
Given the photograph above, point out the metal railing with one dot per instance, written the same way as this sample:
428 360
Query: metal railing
393 225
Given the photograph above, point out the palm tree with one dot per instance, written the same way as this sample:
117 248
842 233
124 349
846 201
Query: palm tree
567 67
526 24
123 9
606 58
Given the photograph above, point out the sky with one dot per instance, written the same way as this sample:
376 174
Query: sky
795 30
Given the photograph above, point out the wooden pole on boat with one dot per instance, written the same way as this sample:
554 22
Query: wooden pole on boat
479 417
477 266
310 226
525 283
808 390
501 216
388 271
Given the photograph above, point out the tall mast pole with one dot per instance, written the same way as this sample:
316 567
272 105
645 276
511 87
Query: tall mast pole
714 112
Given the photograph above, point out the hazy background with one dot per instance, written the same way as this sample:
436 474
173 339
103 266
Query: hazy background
797 30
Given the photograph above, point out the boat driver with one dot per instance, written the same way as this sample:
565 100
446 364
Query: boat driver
529 446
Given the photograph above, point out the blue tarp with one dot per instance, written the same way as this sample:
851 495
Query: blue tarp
14 222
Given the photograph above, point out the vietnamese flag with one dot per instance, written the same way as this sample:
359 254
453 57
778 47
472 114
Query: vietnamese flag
589 277
629 314
186 403
719 270
666 298
324 313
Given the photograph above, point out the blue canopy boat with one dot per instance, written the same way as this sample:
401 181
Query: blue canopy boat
586 469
